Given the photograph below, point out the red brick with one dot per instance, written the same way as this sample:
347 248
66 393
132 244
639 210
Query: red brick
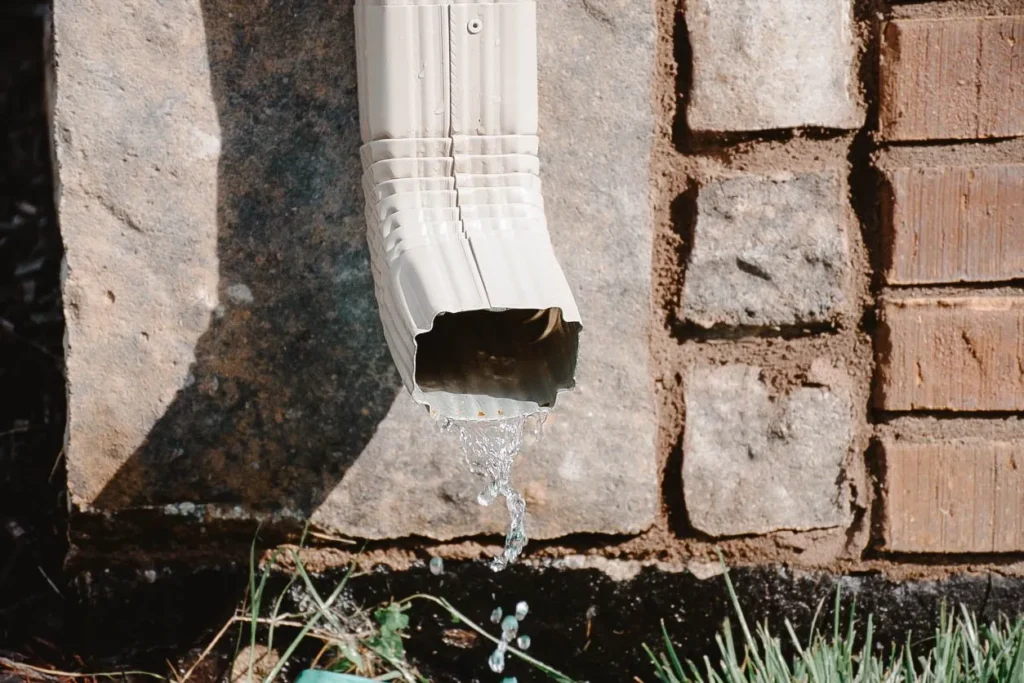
954 497
955 224
956 78
951 354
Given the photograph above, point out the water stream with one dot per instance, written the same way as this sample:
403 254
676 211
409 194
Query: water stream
490 448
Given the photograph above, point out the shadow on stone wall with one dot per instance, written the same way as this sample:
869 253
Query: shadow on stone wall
293 376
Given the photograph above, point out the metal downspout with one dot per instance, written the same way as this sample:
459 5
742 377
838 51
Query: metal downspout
476 310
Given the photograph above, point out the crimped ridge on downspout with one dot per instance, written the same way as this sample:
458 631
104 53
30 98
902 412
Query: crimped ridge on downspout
476 309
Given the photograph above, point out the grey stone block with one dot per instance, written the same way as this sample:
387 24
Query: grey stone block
765 64
224 350
753 464
767 250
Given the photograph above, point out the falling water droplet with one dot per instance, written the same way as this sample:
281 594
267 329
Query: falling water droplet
488 495
436 566
509 628
523 642
522 609
496 661
540 419
496 615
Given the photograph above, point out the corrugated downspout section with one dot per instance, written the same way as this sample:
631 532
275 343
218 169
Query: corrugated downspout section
476 310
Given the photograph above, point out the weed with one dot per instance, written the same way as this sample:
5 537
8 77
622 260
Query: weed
372 643
963 652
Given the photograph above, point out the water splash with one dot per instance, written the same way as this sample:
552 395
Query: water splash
509 628
490 448
496 662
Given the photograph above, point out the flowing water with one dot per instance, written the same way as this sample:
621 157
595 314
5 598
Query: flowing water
509 632
490 448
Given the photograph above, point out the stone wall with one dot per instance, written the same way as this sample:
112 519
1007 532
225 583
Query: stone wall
225 357
839 198
794 231
836 270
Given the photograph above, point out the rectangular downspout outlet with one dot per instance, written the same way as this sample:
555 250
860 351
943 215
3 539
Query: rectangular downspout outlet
476 310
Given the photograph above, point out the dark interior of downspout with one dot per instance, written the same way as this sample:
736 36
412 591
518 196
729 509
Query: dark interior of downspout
519 354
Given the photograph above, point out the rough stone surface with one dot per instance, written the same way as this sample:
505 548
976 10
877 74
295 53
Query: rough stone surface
752 463
767 250
963 353
763 64
953 497
952 78
954 224
139 211
223 342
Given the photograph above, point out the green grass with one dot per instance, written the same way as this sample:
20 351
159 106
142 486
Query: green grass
351 640
962 651
370 643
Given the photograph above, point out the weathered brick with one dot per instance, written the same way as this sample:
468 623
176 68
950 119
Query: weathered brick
767 250
764 64
951 353
952 78
753 465
955 224
954 497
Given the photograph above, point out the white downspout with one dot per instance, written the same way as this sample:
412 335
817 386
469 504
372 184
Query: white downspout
477 313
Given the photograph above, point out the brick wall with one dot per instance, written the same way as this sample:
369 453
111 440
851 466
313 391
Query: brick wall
952 222
838 198
841 364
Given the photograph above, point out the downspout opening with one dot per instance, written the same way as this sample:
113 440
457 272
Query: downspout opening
520 358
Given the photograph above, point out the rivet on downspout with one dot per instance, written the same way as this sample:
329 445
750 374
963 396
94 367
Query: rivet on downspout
476 310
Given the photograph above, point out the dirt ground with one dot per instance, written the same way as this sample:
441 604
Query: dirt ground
32 503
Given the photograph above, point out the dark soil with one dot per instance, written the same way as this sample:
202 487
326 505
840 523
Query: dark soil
582 622
32 404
